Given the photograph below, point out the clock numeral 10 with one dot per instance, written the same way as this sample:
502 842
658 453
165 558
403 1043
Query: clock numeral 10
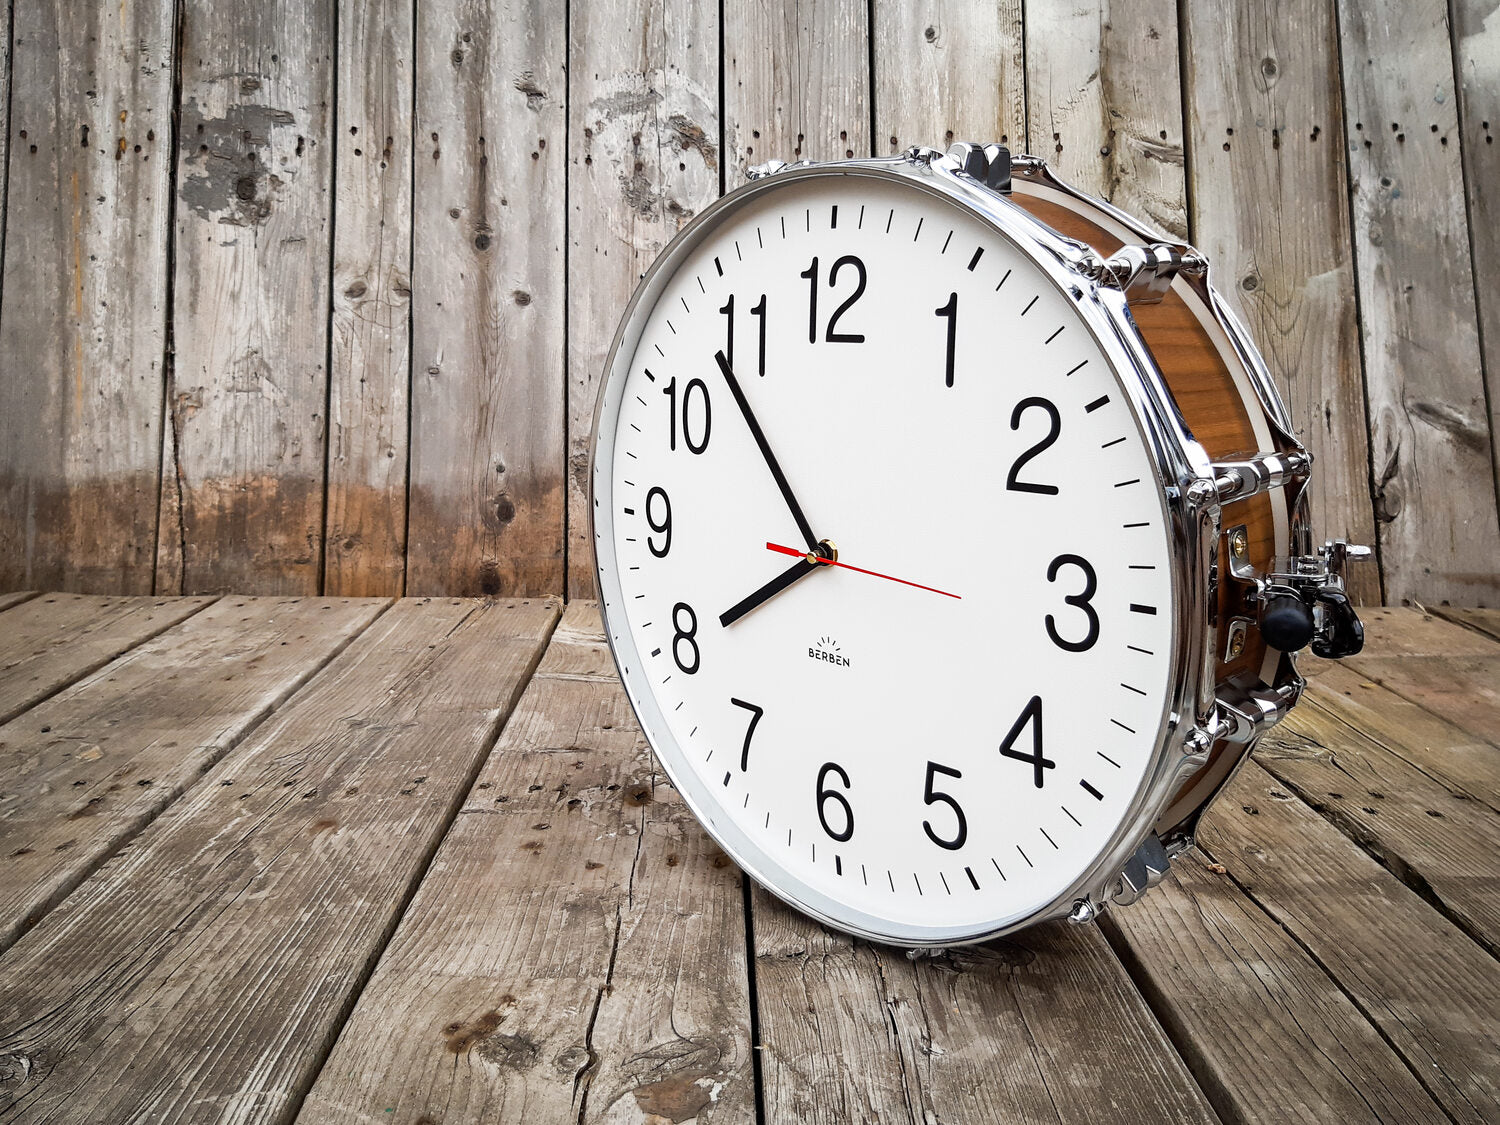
811 273
827 794
705 413
758 311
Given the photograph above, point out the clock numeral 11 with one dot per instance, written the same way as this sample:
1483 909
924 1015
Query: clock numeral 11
759 312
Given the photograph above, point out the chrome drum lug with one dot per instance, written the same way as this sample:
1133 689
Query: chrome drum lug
1142 871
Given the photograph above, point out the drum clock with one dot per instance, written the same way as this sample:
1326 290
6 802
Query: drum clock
951 540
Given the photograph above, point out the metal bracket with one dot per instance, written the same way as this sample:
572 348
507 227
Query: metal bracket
1246 713
1302 600
1240 480
1142 871
1145 273
989 164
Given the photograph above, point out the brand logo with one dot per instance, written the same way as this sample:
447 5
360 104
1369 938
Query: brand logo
827 651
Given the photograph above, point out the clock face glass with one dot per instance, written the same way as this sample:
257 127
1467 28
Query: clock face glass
936 737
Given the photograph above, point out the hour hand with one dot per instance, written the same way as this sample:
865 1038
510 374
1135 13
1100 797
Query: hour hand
804 566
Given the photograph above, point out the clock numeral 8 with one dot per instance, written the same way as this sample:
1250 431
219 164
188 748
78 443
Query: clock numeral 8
825 794
685 635
1090 585
664 528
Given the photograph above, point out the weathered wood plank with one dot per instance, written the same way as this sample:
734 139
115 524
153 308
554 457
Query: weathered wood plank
1457 760
364 549
1430 439
1433 993
1270 207
205 969
84 771
1267 1033
1105 103
51 641
796 83
644 130
1452 671
947 72
575 917
1476 56
1486 621
244 458
488 427
16 597
83 317
1045 1026
1437 841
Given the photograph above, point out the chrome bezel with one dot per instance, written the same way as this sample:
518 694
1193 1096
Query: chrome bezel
1189 515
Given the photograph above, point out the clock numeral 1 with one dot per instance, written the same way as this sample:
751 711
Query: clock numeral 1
826 794
933 796
670 390
758 311
950 311
1031 715
755 714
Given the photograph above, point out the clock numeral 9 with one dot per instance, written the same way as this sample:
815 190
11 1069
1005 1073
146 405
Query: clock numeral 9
933 796
1054 427
755 714
758 311
670 390
664 528
811 273
826 794
685 636
1090 584
1030 715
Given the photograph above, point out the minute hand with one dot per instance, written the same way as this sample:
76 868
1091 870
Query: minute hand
765 451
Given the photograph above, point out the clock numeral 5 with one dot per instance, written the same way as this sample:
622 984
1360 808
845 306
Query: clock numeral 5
758 311
706 413
932 796
826 794
755 714
811 273
685 636
1090 584
1031 715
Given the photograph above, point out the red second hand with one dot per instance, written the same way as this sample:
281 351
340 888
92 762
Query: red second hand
873 573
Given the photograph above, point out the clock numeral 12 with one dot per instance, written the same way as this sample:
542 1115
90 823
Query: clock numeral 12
811 273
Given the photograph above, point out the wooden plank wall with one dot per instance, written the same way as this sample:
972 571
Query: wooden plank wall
314 298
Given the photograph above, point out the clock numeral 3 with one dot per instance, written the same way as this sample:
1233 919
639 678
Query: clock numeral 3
664 528
831 336
1054 427
825 794
755 714
1031 715
933 796
685 636
706 413
1090 584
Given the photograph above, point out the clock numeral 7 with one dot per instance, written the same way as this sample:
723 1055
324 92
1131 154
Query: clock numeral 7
759 312
1031 715
755 714
811 273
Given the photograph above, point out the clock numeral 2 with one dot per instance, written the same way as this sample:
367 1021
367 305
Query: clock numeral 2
670 390
826 794
831 336
1054 427
1031 715
755 714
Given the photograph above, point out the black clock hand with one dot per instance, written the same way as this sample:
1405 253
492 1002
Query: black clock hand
765 451
800 569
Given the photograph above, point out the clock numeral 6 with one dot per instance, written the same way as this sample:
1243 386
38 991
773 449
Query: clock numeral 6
685 636
1090 584
933 796
664 528
825 794
1031 715
706 413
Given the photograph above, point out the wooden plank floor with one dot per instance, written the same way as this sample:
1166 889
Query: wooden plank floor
355 860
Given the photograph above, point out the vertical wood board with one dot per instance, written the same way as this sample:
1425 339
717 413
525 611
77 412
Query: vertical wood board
243 460
488 498
368 402
83 300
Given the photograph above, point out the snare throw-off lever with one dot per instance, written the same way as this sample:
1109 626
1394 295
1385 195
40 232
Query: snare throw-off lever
1302 601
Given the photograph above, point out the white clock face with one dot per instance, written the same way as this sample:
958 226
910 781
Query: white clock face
937 744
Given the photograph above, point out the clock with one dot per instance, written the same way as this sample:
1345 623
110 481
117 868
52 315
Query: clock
909 559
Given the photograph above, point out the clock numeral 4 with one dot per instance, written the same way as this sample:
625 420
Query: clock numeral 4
827 794
685 636
1031 715
830 335
1090 584
1054 427
933 796
755 714
705 414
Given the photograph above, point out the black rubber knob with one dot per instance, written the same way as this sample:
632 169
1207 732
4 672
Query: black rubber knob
1286 623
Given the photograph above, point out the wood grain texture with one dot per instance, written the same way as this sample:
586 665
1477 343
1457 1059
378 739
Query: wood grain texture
204 971
16 597
370 376
1433 993
1105 103
83 304
1436 839
1268 1034
1452 671
1271 211
576 951
644 129
1431 446
50 642
89 768
796 83
1486 621
1476 55
243 459
1044 1026
488 497
948 72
